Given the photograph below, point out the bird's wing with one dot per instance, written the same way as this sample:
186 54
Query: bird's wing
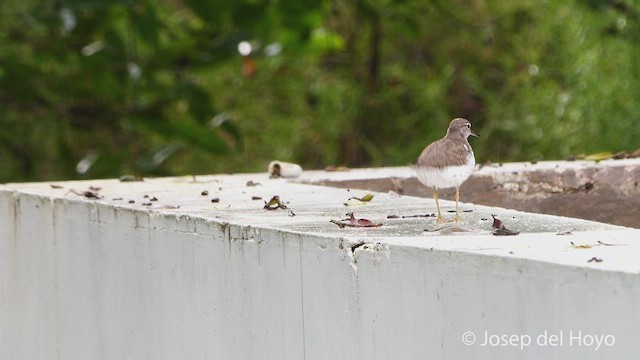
456 153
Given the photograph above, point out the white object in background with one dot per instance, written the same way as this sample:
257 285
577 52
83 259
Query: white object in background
284 169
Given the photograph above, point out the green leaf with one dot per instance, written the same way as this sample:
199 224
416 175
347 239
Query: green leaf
367 197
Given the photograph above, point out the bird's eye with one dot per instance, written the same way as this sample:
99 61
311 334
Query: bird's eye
469 126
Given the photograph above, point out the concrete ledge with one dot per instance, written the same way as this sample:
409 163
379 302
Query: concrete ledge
104 278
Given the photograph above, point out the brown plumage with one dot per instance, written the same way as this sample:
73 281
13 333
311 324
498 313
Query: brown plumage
445 152
452 150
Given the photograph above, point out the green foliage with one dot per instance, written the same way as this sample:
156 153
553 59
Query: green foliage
101 88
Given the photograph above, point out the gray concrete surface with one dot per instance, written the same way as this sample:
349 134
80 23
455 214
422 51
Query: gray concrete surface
109 279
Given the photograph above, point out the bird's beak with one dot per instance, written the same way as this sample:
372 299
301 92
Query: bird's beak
474 134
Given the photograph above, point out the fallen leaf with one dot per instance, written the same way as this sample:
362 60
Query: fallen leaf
603 155
336 168
621 155
497 223
499 229
274 203
88 194
361 222
356 201
504 232
352 221
606 244
365 198
252 183
581 246
595 259
54 186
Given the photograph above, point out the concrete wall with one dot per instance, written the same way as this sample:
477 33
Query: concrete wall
89 280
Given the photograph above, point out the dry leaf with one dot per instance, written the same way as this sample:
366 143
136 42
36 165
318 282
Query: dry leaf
504 232
361 222
497 223
274 203
88 194
354 222
606 244
499 229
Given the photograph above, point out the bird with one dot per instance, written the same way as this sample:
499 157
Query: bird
448 162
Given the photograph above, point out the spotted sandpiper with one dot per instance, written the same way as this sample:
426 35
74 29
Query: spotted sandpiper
448 162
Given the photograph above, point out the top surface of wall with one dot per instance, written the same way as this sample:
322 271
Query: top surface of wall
311 208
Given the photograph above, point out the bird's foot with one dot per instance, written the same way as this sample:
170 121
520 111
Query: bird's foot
441 220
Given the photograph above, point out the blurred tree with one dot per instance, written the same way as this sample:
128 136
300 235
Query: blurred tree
98 88
110 82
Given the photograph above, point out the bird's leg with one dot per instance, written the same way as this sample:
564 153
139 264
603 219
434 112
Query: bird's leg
457 218
440 219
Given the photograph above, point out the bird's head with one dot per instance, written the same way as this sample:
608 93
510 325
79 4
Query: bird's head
460 128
